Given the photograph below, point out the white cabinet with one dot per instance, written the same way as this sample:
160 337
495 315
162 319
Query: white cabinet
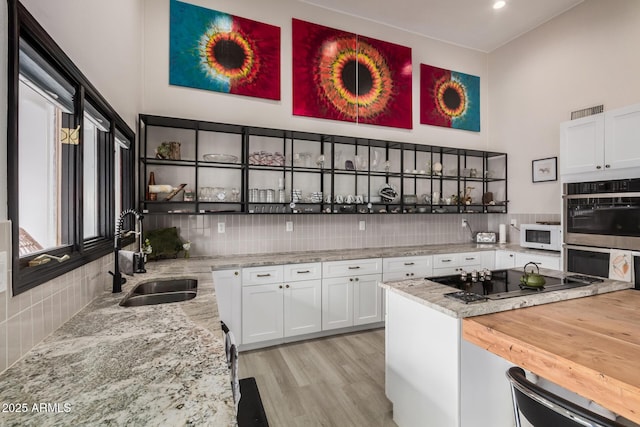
603 142
447 264
337 303
307 271
512 259
582 145
544 261
262 275
367 299
280 309
622 137
228 288
302 307
349 301
350 293
262 313
407 267
505 260
351 267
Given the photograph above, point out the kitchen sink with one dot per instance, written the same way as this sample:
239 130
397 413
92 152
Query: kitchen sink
168 285
161 292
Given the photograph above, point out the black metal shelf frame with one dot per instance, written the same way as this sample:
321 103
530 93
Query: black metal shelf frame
402 177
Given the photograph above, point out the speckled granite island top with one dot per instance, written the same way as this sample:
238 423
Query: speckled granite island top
159 365
431 294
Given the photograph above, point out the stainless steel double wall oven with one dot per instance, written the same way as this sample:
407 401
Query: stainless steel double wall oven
600 216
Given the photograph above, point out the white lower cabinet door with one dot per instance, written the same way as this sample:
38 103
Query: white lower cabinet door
367 299
262 313
337 303
302 307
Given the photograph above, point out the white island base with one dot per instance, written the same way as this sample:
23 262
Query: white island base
436 379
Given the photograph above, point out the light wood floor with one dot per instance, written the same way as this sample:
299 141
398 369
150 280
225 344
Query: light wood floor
333 381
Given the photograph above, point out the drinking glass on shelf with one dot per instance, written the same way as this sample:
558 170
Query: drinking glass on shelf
235 195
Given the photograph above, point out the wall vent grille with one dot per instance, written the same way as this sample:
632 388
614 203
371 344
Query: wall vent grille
587 112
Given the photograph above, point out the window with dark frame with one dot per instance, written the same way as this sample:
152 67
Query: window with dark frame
70 163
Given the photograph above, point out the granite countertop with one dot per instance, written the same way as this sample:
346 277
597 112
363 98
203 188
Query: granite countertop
151 365
165 364
431 294
255 260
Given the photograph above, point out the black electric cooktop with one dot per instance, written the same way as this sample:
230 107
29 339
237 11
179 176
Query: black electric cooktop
500 284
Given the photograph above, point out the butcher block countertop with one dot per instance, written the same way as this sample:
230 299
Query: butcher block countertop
588 345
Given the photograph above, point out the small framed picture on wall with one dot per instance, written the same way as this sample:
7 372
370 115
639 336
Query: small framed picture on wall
544 169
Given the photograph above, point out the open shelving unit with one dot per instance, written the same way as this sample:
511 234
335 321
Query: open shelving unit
321 174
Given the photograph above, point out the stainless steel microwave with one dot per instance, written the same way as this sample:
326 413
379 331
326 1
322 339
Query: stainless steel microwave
541 236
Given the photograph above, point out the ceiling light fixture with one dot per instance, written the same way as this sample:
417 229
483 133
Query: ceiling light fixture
499 4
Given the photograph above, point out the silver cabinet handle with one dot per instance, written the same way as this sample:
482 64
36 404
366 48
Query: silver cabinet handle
409 263
303 272
469 259
354 268
446 260
264 275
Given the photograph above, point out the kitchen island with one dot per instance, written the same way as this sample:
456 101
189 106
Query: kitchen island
590 346
436 378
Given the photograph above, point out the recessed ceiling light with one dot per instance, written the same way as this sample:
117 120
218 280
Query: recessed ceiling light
499 4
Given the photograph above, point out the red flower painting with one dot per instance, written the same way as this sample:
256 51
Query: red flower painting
342 76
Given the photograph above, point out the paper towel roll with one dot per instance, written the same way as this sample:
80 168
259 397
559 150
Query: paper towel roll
503 233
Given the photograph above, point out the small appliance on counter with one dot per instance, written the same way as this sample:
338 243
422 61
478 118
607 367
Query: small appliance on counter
547 236
486 237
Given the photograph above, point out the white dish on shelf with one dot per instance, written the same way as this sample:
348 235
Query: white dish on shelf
220 158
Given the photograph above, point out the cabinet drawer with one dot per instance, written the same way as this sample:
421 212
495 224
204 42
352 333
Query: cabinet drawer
446 260
543 261
445 271
354 267
415 266
297 272
468 259
262 275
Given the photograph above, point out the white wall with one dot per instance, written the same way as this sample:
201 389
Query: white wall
585 57
161 99
104 40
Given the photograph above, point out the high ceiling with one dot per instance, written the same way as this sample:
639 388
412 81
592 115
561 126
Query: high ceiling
468 23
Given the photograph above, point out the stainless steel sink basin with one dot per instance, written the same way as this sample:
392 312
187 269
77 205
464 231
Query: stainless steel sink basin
169 285
161 292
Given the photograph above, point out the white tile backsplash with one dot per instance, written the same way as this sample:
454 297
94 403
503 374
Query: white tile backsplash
266 233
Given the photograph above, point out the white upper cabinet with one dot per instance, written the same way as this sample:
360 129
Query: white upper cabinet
582 145
622 137
606 143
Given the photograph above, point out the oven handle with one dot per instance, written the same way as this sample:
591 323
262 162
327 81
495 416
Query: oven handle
600 195
588 248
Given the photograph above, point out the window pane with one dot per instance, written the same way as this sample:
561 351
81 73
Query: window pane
95 133
123 177
43 107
